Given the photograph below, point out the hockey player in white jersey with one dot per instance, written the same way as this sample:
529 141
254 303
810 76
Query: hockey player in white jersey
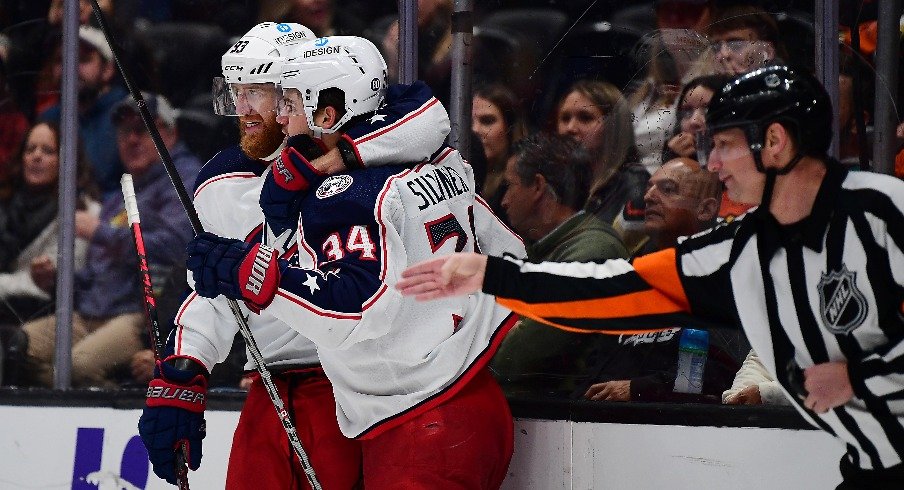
410 379
226 196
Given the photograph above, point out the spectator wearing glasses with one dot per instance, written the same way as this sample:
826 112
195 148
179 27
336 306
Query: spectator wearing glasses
742 38
107 325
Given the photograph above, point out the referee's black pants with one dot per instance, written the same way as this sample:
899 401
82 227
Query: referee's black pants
856 478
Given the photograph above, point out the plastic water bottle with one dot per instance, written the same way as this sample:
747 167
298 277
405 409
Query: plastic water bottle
692 349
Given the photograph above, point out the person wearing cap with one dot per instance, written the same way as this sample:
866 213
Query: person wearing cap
98 93
140 158
108 323
812 275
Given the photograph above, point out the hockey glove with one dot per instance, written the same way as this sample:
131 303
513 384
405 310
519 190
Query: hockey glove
174 415
291 175
233 268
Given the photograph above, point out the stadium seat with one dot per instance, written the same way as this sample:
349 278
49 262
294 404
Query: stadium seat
639 17
204 132
799 36
514 47
596 50
186 55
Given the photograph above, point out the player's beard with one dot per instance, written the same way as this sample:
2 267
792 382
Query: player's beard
263 143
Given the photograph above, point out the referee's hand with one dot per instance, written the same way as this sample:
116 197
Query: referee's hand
827 386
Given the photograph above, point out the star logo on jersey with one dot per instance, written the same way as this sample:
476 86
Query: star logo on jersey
378 117
311 283
842 305
333 185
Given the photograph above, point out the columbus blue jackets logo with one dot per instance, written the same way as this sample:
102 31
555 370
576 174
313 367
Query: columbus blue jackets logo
334 185
843 306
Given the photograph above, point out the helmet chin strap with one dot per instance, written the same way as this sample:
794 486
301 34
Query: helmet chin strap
771 176
771 173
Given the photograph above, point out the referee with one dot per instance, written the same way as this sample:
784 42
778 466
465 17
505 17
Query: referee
814 275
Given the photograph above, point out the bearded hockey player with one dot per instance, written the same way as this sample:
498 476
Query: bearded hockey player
410 379
226 196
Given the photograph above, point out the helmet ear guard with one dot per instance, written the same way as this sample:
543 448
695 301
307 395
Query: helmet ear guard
350 64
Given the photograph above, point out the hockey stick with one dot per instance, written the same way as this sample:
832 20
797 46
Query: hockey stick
189 208
150 304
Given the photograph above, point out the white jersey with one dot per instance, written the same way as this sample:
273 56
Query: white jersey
411 126
226 198
389 357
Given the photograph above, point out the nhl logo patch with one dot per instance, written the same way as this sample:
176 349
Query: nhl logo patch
843 306
333 185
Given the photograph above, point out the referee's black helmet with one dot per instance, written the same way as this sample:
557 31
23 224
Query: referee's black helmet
775 93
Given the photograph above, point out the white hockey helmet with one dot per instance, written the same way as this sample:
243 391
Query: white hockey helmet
256 59
349 63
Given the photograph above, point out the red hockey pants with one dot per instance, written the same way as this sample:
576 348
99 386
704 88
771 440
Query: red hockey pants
464 443
261 456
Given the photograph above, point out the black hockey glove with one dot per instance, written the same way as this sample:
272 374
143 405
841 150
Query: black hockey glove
291 176
174 415
233 268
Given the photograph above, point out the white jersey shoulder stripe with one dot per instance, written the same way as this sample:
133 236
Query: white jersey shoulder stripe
707 260
233 175
376 134
439 159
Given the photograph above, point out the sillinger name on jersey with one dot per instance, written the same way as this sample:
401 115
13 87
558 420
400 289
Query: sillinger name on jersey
437 186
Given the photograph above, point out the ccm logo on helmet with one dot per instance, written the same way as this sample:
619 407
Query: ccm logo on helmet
321 51
232 68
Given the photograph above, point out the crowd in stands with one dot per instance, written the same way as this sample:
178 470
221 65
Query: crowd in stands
590 142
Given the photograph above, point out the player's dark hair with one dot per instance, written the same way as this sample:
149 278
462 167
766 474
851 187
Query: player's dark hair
561 160
334 98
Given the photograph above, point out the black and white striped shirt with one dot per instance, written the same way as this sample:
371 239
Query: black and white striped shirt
828 288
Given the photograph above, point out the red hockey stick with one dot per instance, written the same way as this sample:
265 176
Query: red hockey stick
150 304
